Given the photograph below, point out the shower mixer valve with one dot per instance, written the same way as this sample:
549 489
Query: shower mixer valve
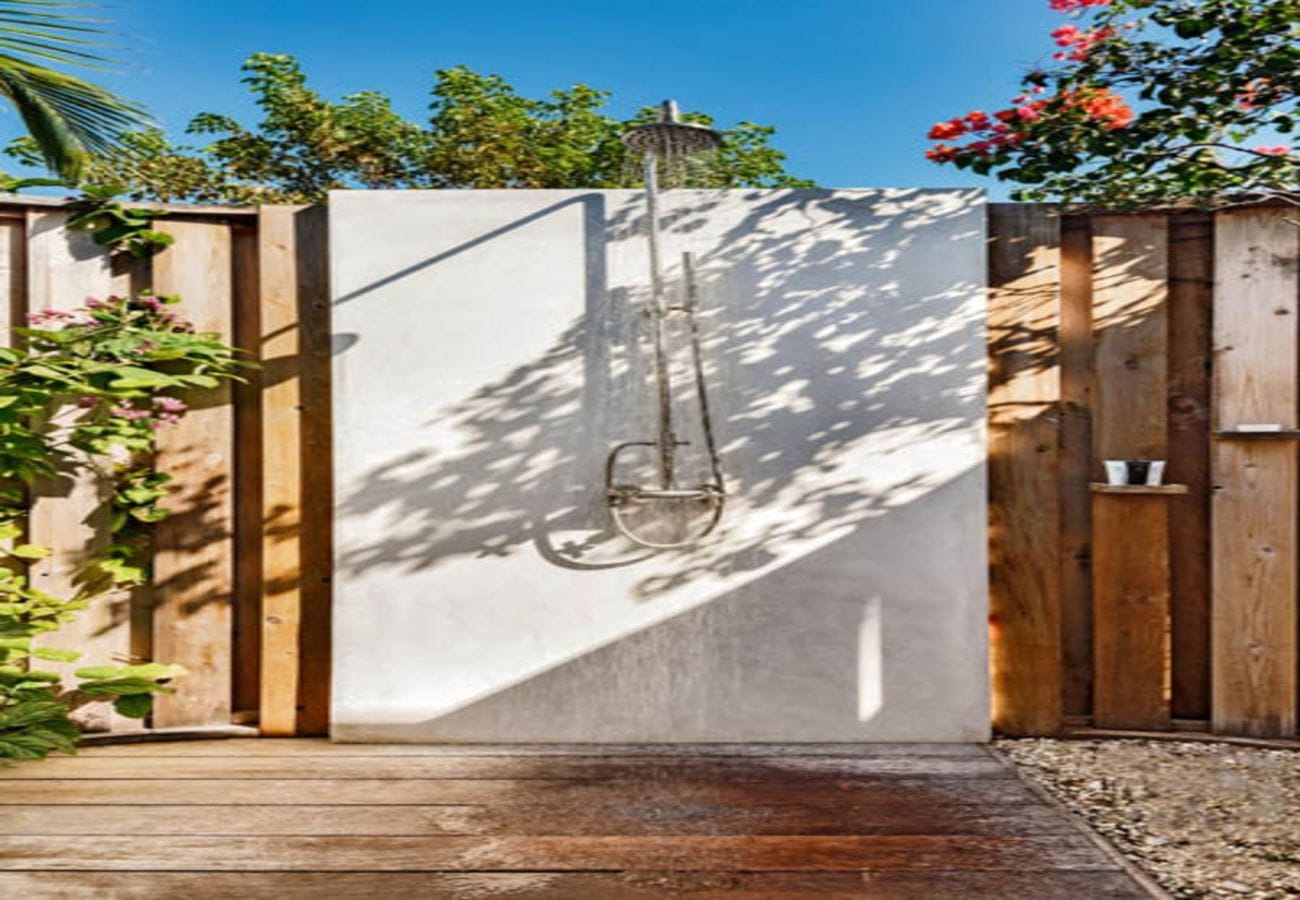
666 139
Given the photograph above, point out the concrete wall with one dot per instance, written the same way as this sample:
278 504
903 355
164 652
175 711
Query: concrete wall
489 351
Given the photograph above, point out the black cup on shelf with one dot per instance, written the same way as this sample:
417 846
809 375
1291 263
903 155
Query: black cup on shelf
1138 470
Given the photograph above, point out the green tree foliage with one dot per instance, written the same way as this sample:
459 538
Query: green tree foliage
86 388
480 134
1148 102
68 118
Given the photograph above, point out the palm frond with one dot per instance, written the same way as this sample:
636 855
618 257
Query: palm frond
68 117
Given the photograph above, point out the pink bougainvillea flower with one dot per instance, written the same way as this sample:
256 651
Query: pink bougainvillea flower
1072 5
170 404
1274 151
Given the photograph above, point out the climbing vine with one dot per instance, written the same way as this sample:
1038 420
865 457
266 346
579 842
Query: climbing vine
87 388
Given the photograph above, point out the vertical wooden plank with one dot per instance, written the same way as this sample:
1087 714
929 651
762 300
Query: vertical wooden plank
13 274
1131 610
1130 267
1024 437
194 558
1130 339
1075 466
1253 619
247 398
296 452
71 514
1191 273
314 306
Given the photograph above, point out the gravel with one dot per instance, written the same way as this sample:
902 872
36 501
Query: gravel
1203 819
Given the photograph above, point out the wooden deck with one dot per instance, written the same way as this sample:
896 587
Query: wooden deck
310 819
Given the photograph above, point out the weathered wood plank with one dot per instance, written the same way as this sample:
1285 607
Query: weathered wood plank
1191 275
1075 465
13 276
70 514
247 399
1131 610
1024 437
308 747
939 884
194 557
1129 421
522 854
1253 627
417 767
1130 339
620 818
877 790
295 449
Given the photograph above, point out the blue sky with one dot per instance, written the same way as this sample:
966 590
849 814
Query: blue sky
852 85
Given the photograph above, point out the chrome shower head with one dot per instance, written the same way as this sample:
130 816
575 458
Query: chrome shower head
670 136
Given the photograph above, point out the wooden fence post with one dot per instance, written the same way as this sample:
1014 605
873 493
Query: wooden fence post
297 500
1130 573
194 546
1024 437
70 514
1253 622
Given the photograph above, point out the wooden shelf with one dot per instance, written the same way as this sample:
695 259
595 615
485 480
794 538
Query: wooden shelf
1286 434
1102 488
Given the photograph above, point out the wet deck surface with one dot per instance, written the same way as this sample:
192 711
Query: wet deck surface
309 819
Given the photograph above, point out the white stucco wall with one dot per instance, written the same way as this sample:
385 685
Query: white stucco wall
489 352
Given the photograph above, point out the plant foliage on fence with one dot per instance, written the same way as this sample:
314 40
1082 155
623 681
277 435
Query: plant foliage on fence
87 388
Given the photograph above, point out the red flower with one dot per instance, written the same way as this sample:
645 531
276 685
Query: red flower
941 154
946 131
1274 151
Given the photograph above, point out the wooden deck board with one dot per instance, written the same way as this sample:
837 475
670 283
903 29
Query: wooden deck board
892 885
236 818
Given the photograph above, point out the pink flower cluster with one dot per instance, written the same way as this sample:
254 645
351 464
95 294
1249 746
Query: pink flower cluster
1278 150
57 318
163 411
1078 42
1072 5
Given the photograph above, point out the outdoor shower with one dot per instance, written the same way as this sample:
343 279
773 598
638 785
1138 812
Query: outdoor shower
668 140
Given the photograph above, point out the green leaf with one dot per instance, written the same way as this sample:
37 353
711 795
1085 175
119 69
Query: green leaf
134 706
30 551
55 655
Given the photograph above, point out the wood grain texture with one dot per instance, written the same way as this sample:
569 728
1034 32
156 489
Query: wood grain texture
1191 277
725 853
593 768
1130 590
1253 625
1130 339
70 514
878 791
311 819
1075 468
537 819
933 884
296 499
247 399
243 747
1024 438
194 546
1131 610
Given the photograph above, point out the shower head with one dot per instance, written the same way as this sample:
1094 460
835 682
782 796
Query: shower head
670 136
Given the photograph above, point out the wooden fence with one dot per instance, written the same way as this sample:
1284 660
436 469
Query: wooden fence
1144 337
1125 336
240 587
